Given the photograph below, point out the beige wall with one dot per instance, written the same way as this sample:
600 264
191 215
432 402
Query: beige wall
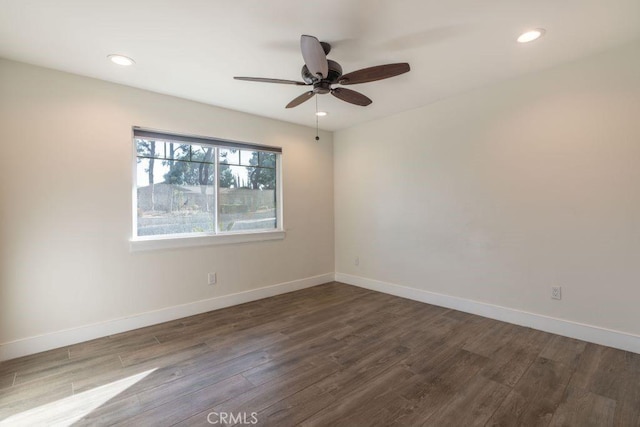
498 194
65 205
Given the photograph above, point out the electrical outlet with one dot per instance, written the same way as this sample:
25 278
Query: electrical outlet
212 278
357 261
556 292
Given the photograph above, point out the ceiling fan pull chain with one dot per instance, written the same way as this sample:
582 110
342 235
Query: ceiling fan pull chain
317 137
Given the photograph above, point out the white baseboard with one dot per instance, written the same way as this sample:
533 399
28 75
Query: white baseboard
32 345
590 333
567 328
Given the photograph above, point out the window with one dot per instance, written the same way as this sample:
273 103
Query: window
194 187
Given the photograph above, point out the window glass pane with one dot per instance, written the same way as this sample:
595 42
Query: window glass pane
177 191
267 160
248 158
202 153
150 148
177 151
247 198
229 156
175 197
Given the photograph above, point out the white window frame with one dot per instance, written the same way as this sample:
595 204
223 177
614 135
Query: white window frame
185 240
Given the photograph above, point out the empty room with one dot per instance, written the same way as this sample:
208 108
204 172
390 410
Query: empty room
346 213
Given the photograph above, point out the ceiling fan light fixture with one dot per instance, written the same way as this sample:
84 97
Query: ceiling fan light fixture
122 60
531 35
321 113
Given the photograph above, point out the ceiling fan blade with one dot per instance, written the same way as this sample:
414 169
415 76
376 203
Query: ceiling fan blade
299 100
265 80
374 73
351 96
314 57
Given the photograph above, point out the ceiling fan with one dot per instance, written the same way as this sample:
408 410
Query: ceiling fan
322 73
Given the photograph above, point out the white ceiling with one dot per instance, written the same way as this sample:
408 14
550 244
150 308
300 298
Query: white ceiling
193 48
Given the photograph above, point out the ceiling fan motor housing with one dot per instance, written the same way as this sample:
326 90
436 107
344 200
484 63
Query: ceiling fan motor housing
321 87
335 72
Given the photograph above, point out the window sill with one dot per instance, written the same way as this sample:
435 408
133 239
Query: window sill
174 242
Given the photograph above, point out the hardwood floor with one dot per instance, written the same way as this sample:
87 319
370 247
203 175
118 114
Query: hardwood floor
329 355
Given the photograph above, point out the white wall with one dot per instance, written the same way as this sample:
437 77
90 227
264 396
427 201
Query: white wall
65 205
498 194
492 196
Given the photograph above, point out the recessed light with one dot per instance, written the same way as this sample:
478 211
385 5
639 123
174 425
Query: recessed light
531 35
321 113
121 60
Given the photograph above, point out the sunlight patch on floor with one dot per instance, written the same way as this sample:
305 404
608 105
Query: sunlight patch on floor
65 412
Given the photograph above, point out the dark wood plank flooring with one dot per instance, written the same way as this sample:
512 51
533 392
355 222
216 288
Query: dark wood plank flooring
329 355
